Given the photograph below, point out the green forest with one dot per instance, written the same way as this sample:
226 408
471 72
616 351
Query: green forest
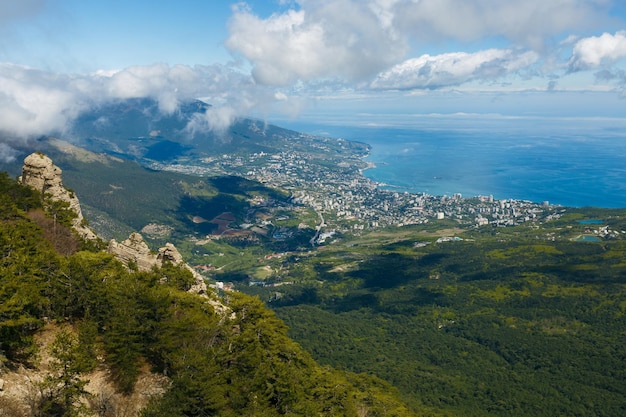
234 361
503 321
516 321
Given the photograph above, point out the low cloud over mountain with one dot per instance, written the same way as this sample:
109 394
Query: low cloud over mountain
294 53
37 102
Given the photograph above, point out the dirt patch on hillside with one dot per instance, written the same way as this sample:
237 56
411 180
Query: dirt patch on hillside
22 386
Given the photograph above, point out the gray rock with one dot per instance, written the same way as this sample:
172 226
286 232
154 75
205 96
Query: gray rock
39 173
135 251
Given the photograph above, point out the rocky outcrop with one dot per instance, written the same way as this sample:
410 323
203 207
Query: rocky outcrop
169 253
39 173
135 252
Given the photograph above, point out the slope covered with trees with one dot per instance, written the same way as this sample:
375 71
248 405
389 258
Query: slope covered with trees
520 321
234 360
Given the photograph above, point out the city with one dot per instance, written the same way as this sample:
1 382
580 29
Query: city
331 182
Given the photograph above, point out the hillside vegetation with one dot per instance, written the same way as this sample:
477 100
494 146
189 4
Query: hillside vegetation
235 360
516 321
450 317
522 320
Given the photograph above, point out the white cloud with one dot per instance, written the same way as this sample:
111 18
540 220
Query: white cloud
453 69
352 40
164 83
596 51
526 23
340 39
570 40
323 47
215 119
36 102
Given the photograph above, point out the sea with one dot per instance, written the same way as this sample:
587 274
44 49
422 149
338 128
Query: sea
570 162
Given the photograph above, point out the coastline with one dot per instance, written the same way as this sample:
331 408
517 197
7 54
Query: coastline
512 168
534 163
368 165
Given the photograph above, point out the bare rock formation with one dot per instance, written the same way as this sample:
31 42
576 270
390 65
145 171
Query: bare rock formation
134 251
39 173
169 253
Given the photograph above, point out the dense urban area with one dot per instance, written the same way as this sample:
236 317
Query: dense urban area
344 198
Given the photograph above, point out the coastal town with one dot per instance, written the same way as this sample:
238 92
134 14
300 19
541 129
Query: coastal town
331 182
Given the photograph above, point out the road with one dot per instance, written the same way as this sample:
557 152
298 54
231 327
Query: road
318 228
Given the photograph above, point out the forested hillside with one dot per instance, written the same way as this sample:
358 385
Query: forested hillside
235 360
525 321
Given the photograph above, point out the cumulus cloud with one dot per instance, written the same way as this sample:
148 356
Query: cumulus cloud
158 81
36 102
526 23
322 45
595 51
215 119
341 39
453 69
355 39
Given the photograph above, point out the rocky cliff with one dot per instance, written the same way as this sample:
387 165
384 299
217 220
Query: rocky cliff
39 173
135 251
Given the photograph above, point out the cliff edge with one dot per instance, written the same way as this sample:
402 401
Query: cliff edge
40 173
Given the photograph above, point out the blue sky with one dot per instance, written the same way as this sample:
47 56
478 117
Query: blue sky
333 61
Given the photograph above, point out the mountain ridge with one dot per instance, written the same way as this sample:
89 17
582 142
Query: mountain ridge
40 174
440 308
124 320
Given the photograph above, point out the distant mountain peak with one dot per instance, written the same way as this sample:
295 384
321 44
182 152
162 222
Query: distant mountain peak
137 129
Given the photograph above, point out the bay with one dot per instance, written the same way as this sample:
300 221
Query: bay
568 162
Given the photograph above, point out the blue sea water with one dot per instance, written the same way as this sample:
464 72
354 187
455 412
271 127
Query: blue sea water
564 162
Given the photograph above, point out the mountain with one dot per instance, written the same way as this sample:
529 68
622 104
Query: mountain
137 129
519 317
125 340
137 168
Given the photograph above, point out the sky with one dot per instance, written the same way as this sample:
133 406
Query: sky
327 61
